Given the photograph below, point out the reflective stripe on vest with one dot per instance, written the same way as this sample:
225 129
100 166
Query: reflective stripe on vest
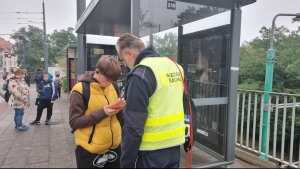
165 123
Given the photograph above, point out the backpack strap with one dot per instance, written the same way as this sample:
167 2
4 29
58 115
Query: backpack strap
116 88
85 94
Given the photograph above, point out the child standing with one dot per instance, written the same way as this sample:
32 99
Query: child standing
19 98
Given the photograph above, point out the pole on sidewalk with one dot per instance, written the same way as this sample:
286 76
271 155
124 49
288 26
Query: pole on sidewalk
81 43
45 41
268 88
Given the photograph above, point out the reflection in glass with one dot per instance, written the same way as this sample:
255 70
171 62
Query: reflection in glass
156 17
166 42
94 53
146 40
205 61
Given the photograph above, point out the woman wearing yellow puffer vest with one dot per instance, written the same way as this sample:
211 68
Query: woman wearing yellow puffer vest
97 128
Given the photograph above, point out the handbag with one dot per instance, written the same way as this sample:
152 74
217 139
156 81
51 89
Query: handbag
5 86
6 96
37 99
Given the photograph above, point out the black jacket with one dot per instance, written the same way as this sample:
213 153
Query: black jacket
139 87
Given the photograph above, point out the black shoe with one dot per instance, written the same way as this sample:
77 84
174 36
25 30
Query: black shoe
35 122
47 122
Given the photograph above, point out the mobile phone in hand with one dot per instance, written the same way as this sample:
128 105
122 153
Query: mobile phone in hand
116 107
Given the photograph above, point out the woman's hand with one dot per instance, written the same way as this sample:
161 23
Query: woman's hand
109 112
119 104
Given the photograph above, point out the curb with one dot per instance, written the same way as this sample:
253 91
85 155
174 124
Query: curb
253 159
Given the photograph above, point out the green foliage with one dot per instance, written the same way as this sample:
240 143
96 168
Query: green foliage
31 39
287 54
64 83
286 78
58 40
166 45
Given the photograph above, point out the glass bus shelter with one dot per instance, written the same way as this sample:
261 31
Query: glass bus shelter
204 37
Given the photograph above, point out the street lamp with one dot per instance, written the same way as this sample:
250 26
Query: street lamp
268 88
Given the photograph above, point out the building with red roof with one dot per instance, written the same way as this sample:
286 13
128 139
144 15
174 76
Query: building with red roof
8 58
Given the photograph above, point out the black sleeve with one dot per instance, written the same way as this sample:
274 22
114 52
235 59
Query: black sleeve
138 90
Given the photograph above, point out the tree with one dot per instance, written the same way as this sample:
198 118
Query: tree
191 14
166 45
145 24
32 39
286 77
59 39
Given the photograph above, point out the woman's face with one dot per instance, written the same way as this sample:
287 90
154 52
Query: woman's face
19 76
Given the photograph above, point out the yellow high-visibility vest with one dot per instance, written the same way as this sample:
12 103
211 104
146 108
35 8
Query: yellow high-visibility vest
165 123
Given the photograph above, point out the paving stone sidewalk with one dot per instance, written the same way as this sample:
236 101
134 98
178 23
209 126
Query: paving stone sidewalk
42 146
51 146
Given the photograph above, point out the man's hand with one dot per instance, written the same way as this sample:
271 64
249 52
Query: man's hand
52 101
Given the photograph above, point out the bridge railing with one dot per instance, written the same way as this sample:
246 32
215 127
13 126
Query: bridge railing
283 125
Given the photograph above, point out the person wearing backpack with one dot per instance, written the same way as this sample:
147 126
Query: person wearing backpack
27 77
97 128
59 83
38 77
19 98
47 95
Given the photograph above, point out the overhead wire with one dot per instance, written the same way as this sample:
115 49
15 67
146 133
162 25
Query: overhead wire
24 12
20 18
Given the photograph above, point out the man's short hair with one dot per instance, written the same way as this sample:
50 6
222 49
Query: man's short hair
109 67
129 41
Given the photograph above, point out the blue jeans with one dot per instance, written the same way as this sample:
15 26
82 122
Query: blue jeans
19 117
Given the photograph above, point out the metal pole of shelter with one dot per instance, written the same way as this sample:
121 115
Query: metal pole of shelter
81 54
268 88
236 19
135 17
45 41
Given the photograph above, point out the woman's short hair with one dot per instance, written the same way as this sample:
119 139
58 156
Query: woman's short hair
109 67
11 70
19 72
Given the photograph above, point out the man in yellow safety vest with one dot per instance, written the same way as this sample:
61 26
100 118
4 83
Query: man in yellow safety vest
153 118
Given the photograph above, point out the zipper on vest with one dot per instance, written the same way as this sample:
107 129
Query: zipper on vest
112 134
92 134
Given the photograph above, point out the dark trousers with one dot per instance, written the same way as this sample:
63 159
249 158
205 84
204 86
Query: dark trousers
85 159
58 91
163 158
37 86
44 103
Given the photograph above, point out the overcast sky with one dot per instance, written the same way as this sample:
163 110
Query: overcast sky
61 14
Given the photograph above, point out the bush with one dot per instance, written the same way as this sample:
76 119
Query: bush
64 83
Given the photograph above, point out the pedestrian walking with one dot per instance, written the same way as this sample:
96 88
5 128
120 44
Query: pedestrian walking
59 83
38 77
26 77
